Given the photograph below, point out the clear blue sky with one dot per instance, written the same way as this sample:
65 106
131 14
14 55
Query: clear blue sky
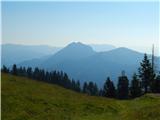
128 24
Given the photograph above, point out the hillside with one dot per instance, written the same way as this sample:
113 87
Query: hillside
24 99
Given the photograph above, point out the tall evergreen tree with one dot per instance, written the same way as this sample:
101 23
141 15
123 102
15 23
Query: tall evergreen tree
47 76
109 89
42 75
78 87
14 69
135 88
20 71
66 81
91 88
36 73
5 69
96 90
29 72
24 71
73 85
147 75
85 87
122 87
54 77
157 84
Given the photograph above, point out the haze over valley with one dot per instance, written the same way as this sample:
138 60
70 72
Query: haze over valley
80 61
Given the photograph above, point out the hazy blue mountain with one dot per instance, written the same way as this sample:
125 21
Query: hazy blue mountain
100 65
111 63
72 52
102 47
13 53
35 62
82 63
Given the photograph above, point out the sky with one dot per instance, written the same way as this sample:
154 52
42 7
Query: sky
123 24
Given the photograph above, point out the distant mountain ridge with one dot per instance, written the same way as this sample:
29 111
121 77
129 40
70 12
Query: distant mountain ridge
82 63
72 52
14 53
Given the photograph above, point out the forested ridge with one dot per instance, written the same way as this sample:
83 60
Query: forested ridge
146 81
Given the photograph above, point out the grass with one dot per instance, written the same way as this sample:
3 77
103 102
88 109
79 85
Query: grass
25 99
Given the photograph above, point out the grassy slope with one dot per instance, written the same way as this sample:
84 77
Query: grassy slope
24 99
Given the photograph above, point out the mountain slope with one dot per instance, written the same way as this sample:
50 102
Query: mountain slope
95 66
80 62
36 62
27 99
111 63
13 53
72 52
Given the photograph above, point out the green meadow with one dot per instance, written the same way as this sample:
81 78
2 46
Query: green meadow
26 99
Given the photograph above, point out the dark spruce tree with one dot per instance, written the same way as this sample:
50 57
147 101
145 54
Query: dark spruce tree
14 70
109 89
20 71
135 88
24 71
122 88
29 72
5 69
36 74
85 87
157 84
147 75
54 77
96 90
90 88
78 87
42 75
66 81
73 85
47 77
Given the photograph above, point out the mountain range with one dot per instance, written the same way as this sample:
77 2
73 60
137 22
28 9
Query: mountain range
14 53
82 63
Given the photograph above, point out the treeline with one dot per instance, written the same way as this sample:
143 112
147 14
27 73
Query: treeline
146 81
54 77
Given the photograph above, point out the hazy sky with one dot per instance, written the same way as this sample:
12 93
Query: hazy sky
128 24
